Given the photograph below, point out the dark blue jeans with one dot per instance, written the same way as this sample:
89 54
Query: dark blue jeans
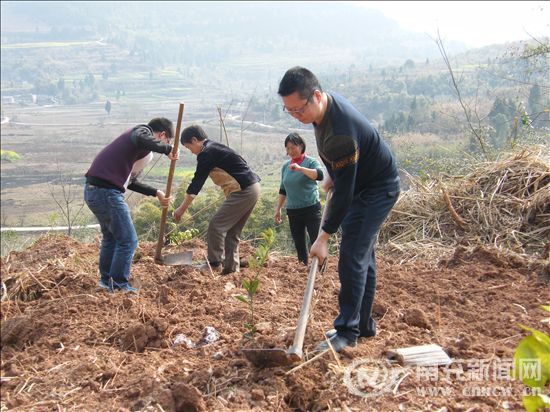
119 235
356 264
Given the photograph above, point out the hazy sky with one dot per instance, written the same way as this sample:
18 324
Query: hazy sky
476 23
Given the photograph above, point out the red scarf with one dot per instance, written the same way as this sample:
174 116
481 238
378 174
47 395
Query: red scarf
298 160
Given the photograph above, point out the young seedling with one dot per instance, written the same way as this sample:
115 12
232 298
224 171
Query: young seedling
534 350
178 237
251 284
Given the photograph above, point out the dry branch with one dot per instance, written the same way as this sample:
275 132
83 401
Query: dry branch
452 210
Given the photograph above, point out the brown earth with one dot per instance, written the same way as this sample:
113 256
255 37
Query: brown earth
67 345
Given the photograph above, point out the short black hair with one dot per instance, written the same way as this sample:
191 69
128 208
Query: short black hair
301 80
297 140
193 131
162 124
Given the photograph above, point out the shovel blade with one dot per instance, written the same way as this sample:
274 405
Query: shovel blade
267 357
177 259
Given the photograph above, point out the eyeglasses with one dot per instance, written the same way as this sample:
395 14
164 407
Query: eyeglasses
302 109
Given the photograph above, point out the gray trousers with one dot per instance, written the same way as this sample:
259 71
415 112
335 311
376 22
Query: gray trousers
224 230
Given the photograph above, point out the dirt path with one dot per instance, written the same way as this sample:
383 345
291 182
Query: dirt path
67 344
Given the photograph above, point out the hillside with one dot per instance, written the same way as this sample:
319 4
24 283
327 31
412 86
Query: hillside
177 344
67 344
464 257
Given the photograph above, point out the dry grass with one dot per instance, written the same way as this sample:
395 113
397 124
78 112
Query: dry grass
505 203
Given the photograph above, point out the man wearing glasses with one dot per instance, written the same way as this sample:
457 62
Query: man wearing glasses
363 175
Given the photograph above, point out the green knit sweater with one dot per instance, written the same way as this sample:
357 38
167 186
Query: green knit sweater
300 190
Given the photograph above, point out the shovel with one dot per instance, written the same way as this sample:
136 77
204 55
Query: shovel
175 259
280 357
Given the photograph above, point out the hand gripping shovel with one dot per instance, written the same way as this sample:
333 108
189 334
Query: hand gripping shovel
175 259
280 357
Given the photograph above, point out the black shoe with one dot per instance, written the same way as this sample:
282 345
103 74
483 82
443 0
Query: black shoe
228 271
337 342
368 334
330 333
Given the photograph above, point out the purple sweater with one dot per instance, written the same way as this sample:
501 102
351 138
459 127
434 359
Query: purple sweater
113 165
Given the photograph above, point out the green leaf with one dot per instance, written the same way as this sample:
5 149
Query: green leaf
261 253
533 403
254 285
545 307
529 350
242 298
268 236
250 327
542 337
246 284
253 263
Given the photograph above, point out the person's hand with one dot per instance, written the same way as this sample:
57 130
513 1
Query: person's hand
327 185
295 167
278 218
174 156
319 249
164 201
178 213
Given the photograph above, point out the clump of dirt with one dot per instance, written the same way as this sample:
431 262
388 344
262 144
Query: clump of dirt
19 331
187 398
302 393
76 346
416 317
138 336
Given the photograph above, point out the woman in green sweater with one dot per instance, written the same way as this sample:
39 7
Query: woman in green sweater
299 191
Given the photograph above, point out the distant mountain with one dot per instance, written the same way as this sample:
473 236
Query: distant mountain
207 33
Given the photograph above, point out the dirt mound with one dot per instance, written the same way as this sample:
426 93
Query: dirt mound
500 259
68 344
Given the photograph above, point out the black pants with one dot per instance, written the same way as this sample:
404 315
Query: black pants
302 220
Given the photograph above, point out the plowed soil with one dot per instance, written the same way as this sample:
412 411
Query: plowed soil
68 345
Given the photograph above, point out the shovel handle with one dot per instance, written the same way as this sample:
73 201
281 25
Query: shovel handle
160 243
295 351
